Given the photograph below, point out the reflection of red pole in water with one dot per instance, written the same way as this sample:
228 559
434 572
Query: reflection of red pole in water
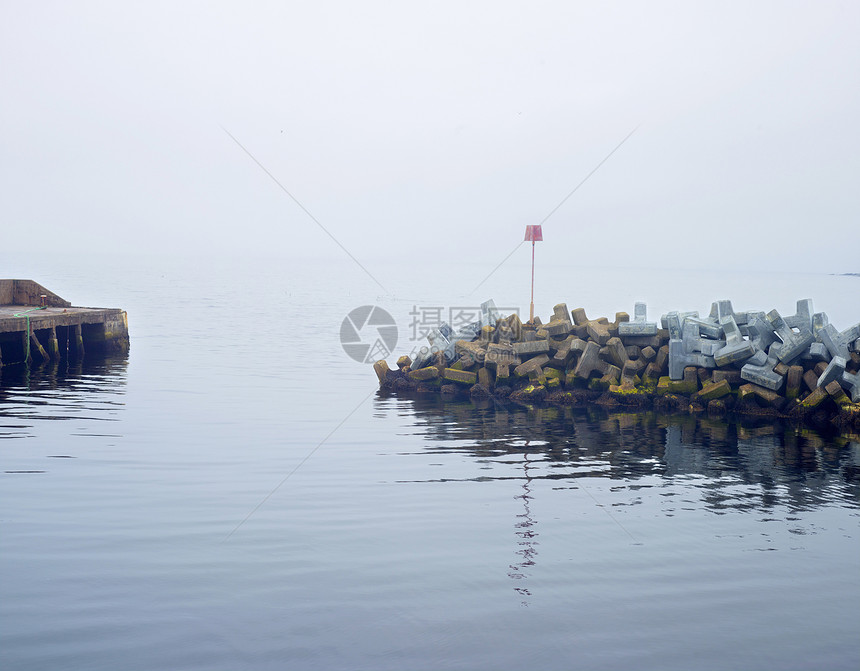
533 234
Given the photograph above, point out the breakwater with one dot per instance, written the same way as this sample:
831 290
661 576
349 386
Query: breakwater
798 367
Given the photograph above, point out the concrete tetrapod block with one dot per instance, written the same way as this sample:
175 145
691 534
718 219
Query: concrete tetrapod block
792 382
815 398
833 371
736 349
558 327
802 319
501 353
838 343
720 309
733 377
598 332
489 313
819 321
793 344
760 331
560 312
461 376
531 365
706 327
674 322
529 349
639 326
763 376
835 391
590 361
817 352
615 352
424 374
693 342
851 383
381 369
680 358
714 390
768 396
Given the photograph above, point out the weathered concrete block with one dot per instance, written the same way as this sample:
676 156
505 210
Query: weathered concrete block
815 398
648 353
733 377
532 364
424 374
835 391
680 358
724 308
792 382
674 322
838 343
526 350
706 328
558 327
476 349
615 352
404 362
819 321
662 360
500 353
461 376
590 362
817 351
598 332
851 383
760 331
560 312
714 390
810 379
769 396
633 367
652 372
489 314
763 376
736 349
693 342
793 344
833 371
688 385
639 326
802 318
381 369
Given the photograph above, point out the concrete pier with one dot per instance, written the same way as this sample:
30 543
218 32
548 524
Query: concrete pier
37 326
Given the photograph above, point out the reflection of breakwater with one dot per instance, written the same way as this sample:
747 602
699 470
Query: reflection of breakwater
796 468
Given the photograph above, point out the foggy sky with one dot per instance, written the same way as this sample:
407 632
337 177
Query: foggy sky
437 130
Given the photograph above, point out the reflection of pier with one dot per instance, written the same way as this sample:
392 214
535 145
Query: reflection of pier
797 468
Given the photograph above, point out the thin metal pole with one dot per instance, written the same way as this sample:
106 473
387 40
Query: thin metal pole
532 304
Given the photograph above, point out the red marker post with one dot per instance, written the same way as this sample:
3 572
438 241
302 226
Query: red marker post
535 234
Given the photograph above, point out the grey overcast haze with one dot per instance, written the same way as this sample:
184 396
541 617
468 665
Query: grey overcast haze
435 131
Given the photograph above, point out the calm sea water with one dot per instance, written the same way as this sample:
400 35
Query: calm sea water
235 494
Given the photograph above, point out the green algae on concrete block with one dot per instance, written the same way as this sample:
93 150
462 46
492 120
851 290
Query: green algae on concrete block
462 376
814 399
424 374
714 390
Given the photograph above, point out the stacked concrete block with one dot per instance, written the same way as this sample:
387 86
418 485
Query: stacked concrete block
738 361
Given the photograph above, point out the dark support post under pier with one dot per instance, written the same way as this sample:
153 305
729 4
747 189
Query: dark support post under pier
37 346
53 344
78 341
